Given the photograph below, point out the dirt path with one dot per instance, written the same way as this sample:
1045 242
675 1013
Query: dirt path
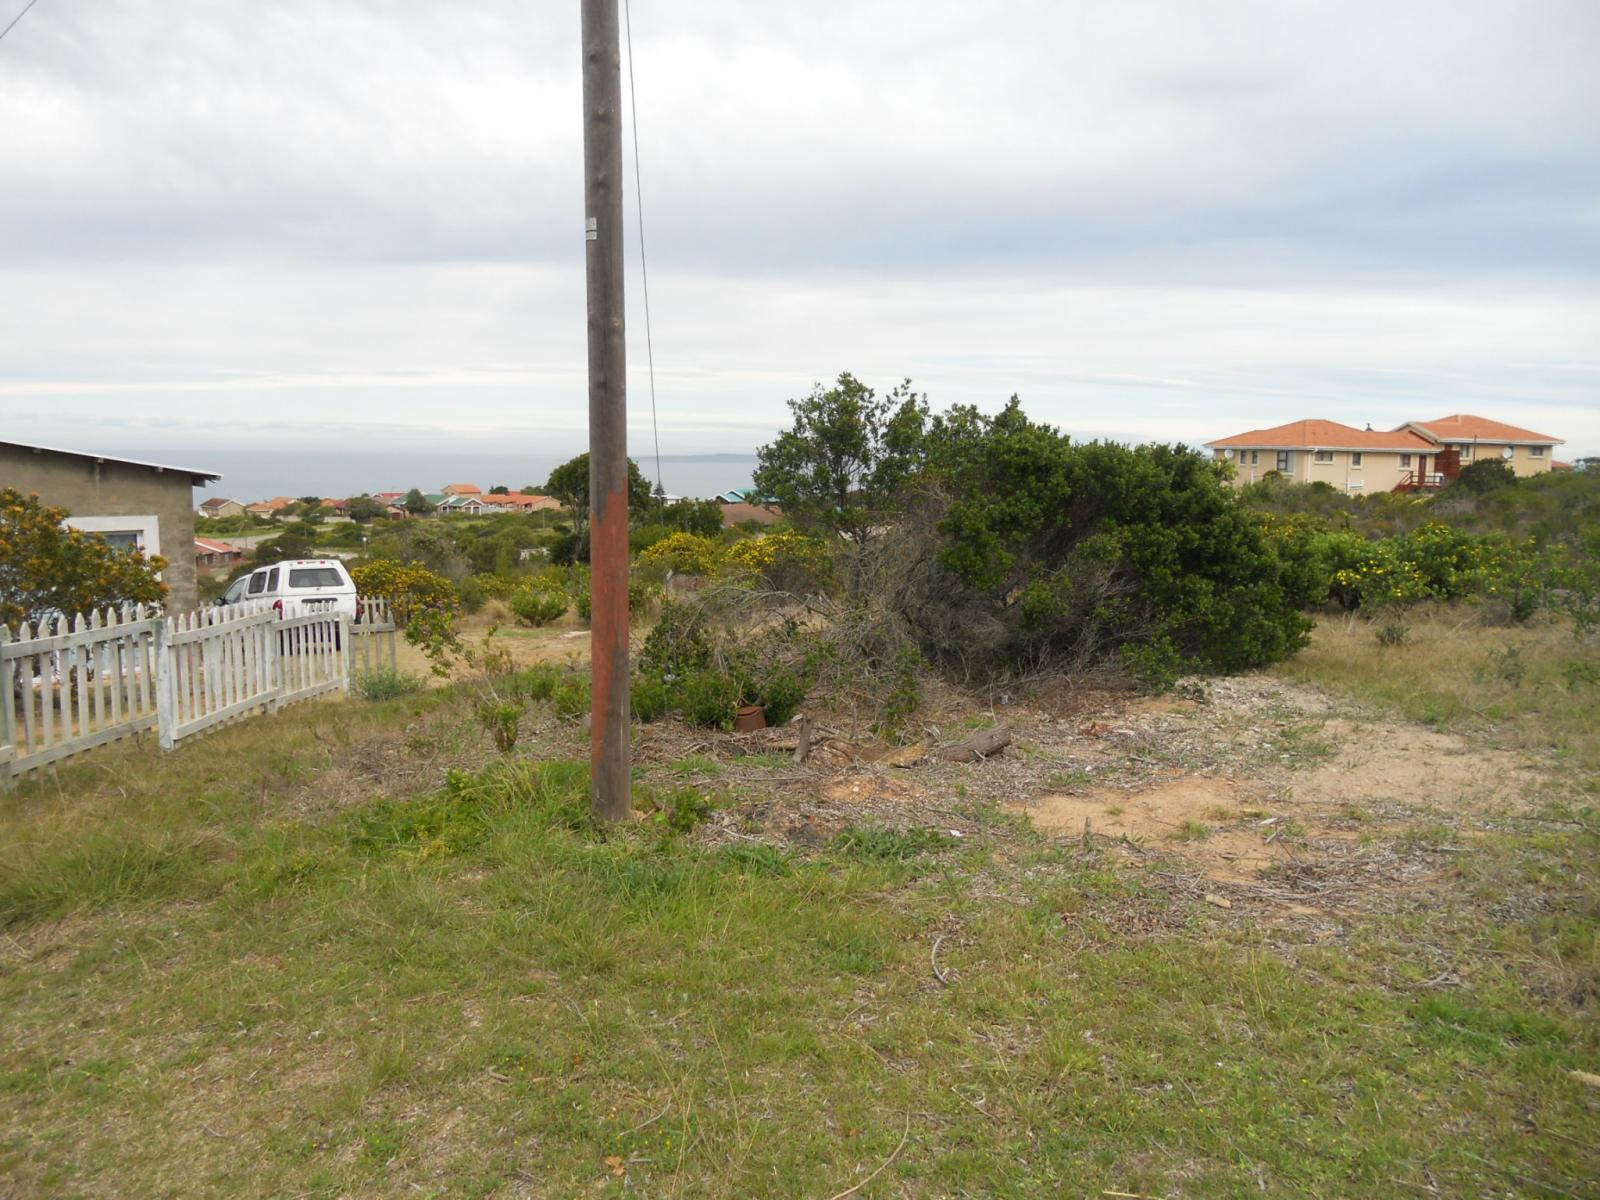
1250 791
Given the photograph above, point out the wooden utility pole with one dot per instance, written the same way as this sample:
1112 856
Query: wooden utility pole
610 775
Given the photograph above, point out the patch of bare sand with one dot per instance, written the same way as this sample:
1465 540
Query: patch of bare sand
1392 764
1179 817
1156 814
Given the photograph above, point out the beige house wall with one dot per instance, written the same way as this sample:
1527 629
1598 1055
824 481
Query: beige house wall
1380 470
96 490
1524 460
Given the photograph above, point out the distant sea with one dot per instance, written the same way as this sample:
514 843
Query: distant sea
249 475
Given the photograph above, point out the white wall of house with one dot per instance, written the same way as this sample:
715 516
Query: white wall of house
143 528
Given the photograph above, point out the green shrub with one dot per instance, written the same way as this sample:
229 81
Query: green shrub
536 683
780 694
676 645
710 699
1078 556
1393 634
471 594
539 605
384 682
681 809
502 720
570 699
650 698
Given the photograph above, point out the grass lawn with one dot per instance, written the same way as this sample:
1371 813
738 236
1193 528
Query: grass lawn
218 977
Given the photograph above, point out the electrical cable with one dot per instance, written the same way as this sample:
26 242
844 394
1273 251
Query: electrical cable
644 267
17 18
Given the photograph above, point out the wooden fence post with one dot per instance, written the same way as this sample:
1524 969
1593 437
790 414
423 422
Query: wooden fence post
8 738
347 641
166 703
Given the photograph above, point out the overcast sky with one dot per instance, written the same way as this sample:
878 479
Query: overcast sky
358 223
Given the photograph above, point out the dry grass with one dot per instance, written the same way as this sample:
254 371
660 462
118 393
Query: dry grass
290 960
1534 687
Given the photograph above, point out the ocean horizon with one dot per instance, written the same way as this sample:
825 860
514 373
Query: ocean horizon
249 475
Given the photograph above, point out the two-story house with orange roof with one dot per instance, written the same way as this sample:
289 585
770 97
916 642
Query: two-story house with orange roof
1415 456
1362 461
1477 438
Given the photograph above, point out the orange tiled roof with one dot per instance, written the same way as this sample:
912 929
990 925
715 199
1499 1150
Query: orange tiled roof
1463 427
1324 435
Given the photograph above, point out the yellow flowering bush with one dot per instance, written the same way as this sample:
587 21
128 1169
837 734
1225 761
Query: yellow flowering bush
786 560
685 553
47 569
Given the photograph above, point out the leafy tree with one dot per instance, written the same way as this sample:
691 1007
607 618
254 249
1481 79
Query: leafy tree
307 503
499 489
416 503
365 508
1486 475
569 483
290 544
700 517
1048 552
844 463
47 569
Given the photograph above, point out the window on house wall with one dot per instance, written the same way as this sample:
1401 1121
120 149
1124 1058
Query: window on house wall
1323 456
121 539
1355 458
1405 460
1241 458
1535 451
1283 461
1466 453
1255 458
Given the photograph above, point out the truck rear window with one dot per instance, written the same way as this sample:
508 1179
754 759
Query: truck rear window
315 577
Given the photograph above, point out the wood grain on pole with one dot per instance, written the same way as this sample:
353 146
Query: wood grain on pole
610 776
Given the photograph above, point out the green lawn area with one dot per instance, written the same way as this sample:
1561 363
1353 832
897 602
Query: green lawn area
219 978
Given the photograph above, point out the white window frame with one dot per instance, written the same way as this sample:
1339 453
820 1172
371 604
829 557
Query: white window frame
1355 461
1285 463
1322 457
1405 462
1535 451
1466 453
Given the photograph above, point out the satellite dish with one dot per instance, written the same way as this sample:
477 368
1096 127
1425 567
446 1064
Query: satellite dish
1508 452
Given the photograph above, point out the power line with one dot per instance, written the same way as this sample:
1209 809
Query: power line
644 268
19 17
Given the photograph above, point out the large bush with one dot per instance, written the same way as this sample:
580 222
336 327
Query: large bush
47 569
786 560
686 553
1044 553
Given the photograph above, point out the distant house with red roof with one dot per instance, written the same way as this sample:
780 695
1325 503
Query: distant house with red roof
461 489
1416 455
267 508
220 506
211 555
525 502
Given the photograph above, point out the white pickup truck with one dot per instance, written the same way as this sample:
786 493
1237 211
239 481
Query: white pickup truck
298 587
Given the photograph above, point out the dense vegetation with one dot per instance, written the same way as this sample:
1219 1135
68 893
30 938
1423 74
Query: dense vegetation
48 570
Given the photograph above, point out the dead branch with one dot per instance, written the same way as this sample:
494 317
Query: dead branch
981 745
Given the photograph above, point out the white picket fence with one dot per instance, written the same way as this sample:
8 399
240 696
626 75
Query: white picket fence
71 684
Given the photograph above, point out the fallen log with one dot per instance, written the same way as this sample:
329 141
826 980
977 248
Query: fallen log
981 745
